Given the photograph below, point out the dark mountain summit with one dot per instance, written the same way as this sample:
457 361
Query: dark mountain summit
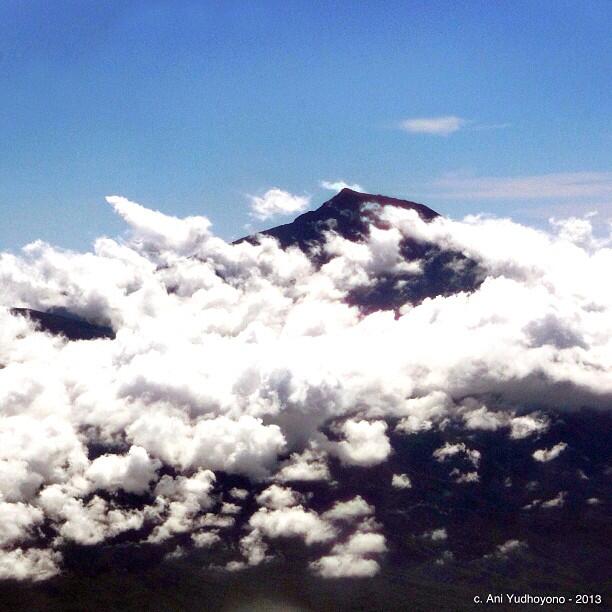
349 213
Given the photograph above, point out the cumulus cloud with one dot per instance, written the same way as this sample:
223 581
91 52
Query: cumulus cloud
307 466
556 502
365 444
349 510
250 361
548 454
31 564
132 472
352 558
292 522
450 450
507 549
438 126
275 202
276 497
401 481
340 185
436 535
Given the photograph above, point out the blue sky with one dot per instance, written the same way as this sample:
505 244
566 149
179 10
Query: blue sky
189 107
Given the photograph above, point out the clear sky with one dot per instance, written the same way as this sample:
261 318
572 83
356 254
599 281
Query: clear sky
188 107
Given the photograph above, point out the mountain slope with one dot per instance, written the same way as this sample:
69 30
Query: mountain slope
351 215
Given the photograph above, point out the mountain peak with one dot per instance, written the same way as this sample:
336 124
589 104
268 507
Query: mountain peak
349 198
345 213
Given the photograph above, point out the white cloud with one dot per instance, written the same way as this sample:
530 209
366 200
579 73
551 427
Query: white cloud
556 502
507 549
401 481
275 202
436 535
31 564
465 477
205 539
365 444
292 522
349 510
132 472
439 126
276 497
238 493
307 466
450 450
340 185
527 425
548 454
350 559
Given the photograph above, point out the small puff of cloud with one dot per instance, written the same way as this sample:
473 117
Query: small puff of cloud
277 202
436 535
401 481
340 185
351 558
365 444
349 510
508 548
548 454
438 126
275 497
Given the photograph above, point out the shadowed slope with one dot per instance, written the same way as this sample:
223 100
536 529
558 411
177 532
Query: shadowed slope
71 327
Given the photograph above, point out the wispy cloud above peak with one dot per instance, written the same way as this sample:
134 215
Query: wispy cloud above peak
340 185
438 126
276 202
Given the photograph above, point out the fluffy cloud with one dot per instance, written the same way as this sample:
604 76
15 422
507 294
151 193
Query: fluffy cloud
31 564
276 497
349 510
401 481
307 466
352 558
450 450
292 522
132 472
548 454
365 443
436 535
277 202
507 549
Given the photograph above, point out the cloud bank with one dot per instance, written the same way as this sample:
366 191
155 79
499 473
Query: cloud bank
248 360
